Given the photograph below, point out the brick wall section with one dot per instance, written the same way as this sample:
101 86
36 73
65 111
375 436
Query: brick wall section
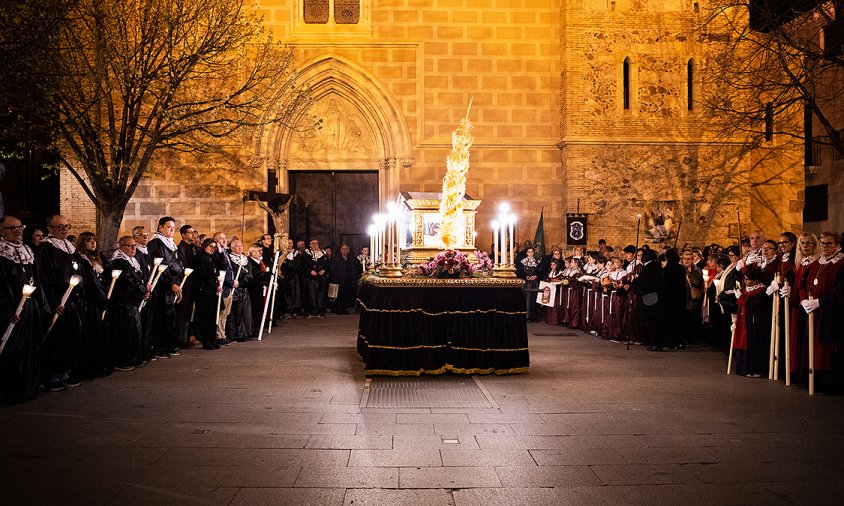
541 73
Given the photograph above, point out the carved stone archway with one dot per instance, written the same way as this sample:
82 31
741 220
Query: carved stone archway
363 128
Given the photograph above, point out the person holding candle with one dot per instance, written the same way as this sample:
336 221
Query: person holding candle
20 359
239 323
123 316
260 274
224 264
57 264
144 259
294 281
162 302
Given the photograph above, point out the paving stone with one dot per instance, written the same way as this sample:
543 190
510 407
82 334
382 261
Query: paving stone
350 442
547 476
302 457
390 429
450 477
442 418
396 458
650 474
445 429
375 497
497 457
349 477
576 457
289 496
404 442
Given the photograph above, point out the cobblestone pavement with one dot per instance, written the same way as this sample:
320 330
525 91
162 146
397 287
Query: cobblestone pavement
280 422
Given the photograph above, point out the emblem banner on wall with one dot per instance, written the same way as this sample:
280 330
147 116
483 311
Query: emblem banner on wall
577 229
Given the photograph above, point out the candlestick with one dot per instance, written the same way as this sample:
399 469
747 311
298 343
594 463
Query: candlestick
221 277
371 232
71 284
25 293
161 268
188 272
512 221
495 251
114 275
155 263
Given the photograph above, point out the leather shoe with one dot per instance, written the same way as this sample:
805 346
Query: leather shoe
654 348
680 347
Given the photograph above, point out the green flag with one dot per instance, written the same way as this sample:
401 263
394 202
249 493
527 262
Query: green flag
539 238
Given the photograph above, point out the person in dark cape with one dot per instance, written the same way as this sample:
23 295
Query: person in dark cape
123 315
239 322
207 289
260 274
162 302
94 356
650 294
342 271
57 264
187 249
20 358
144 259
753 326
674 299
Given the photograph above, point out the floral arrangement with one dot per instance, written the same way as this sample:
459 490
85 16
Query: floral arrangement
485 263
448 264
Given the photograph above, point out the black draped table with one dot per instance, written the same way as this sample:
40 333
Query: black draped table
413 326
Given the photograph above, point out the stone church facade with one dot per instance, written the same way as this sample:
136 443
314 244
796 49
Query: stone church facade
576 104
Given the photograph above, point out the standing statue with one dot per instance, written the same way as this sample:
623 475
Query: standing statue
454 182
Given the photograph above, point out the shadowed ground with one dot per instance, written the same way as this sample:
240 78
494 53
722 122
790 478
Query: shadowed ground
280 422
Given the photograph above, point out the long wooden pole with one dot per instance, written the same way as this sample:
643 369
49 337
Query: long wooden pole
775 320
778 334
267 297
787 338
733 337
811 351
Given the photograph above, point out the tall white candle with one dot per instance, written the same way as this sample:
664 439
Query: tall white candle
512 220
495 243
371 231
188 272
25 293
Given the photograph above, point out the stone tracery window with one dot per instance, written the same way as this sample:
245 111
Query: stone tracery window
343 12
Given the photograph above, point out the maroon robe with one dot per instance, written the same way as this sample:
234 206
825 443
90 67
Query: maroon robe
829 290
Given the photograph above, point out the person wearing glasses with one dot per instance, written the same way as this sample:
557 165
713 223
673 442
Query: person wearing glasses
806 254
122 315
20 362
189 254
824 282
63 345
753 256
141 237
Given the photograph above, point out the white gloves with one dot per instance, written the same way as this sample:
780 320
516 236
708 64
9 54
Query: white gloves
740 264
785 291
810 304
773 287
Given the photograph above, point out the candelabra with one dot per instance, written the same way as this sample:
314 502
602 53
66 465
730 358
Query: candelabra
505 255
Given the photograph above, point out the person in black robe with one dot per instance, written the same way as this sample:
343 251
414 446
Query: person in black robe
674 301
294 281
57 263
123 316
94 356
650 292
162 302
342 272
187 250
257 288
317 274
239 322
207 288
20 359
144 259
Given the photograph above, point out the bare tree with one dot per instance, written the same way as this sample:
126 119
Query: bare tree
781 62
129 79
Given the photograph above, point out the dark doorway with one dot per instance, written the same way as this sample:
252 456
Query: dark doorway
333 207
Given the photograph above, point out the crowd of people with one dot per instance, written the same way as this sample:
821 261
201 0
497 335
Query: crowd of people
668 298
95 311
